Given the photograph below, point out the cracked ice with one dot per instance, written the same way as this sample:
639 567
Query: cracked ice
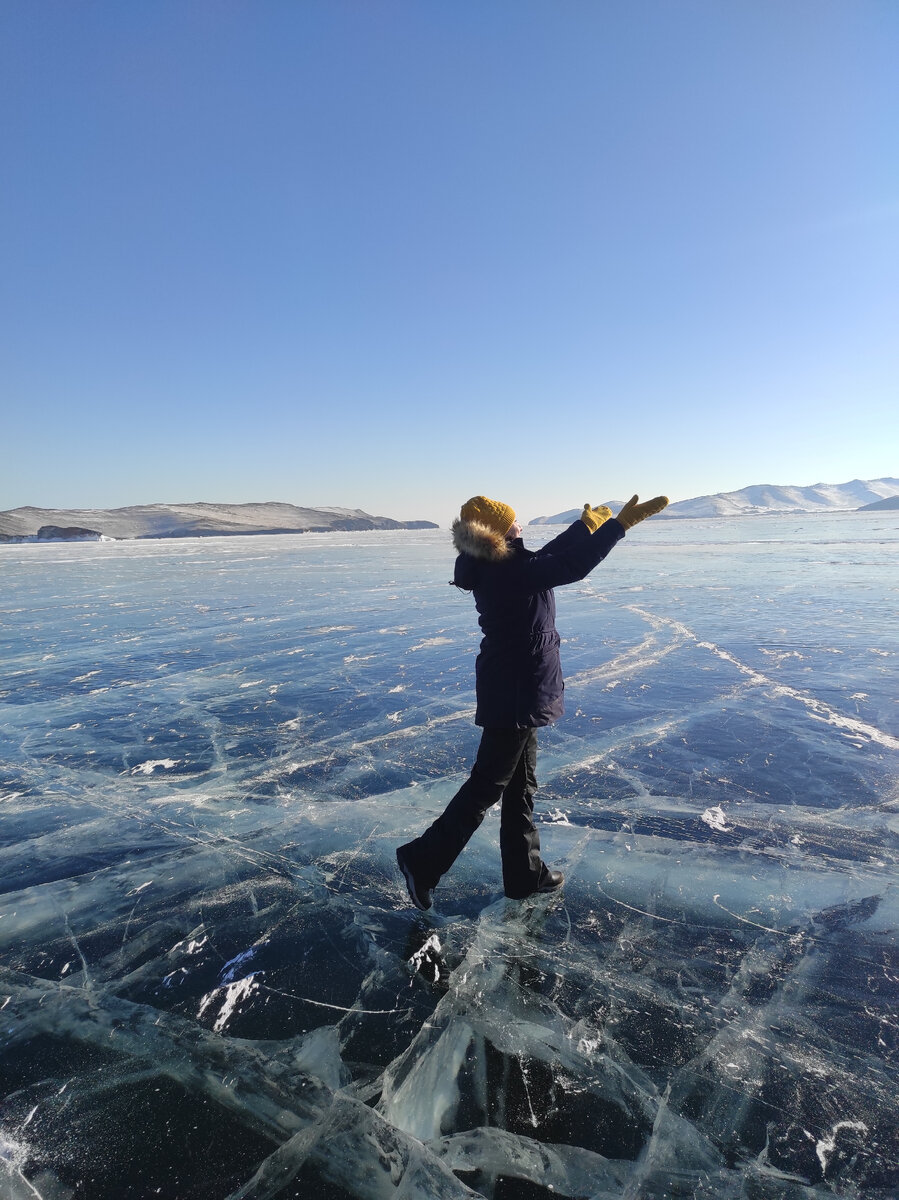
212 984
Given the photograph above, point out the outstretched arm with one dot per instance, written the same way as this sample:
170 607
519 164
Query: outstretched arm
593 518
569 557
573 554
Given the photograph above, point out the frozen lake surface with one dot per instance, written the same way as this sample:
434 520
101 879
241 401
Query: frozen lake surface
211 981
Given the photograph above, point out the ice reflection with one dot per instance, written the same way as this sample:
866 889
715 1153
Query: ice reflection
211 982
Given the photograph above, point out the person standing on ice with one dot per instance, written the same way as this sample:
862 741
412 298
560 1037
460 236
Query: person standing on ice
518 681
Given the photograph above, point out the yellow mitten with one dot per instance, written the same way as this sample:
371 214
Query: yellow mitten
633 513
594 517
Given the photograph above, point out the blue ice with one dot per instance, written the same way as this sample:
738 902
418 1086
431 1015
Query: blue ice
211 981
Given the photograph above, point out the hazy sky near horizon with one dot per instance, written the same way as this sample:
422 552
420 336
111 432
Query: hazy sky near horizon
390 254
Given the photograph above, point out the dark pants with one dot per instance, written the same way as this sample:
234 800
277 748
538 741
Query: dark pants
505 768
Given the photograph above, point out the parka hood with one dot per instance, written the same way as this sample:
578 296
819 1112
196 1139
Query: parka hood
480 541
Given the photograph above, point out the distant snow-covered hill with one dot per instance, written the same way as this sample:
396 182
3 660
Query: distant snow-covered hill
572 514
769 498
764 498
889 502
192 520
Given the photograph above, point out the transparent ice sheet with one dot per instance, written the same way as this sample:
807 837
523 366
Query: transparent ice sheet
212 983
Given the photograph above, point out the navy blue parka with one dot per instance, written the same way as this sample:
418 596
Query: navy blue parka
518 670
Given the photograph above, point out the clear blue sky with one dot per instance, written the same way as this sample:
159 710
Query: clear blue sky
389 254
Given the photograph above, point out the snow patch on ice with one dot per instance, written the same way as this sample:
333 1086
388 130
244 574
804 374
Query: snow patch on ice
715 818
433 641
828 1144
426 955
148 767
235 993
555 816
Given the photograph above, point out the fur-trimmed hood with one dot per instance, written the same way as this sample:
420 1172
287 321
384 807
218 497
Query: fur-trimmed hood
480 541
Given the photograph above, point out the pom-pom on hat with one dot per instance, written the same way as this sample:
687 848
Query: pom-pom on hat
492 513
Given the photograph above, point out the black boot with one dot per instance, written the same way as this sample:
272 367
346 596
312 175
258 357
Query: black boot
548 881
418 893
551 881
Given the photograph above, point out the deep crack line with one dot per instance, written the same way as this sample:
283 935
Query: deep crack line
817 708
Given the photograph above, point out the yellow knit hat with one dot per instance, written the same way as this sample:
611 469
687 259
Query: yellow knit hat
492 513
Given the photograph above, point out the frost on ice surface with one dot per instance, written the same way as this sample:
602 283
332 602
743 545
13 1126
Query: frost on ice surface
212 984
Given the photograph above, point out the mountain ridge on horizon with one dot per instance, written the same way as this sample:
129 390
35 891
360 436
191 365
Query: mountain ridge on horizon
199 518
207 519
762 499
